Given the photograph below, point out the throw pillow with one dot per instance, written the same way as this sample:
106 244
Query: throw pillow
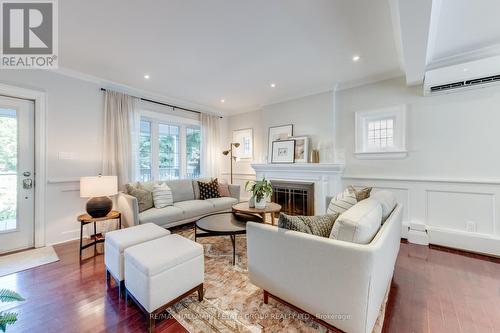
359 224
162 195
143 196
224 188
342 201
209 190
314 225
196 187
362 194
388 202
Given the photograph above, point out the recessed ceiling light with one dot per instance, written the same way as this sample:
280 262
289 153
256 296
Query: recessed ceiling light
356 58
222 100
466 69
273 85
146 76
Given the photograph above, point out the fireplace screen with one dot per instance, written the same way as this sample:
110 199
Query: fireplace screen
295 198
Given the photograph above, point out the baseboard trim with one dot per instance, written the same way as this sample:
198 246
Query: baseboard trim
468 242
470 254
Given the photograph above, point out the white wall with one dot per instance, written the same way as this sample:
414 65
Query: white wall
451 175
74 125
312 115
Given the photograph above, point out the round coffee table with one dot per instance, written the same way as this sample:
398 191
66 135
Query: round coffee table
224 224
271 208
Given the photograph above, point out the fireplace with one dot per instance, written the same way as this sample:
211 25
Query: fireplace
295 198
327 180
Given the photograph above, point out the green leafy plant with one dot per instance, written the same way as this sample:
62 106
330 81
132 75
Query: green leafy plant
8 318
249 185
261 189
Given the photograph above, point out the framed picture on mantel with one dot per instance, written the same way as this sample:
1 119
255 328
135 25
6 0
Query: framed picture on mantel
276 133
301 149
283 151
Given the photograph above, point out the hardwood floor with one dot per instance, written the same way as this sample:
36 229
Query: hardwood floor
432 291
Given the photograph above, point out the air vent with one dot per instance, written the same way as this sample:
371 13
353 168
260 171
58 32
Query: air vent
482 80
480 73
447 86
465 84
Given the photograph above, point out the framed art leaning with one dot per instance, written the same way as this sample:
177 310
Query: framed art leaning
283 151
282 132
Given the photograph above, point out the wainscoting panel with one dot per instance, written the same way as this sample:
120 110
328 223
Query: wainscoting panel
453 210
459 213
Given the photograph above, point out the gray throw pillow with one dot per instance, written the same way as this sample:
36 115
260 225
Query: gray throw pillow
143 196
315 225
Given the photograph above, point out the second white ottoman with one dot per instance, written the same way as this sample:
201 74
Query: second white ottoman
161 272
117 241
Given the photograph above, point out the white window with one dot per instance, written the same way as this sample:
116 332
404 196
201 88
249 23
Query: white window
169 147
381 133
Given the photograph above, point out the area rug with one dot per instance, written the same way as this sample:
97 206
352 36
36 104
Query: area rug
17 262
232 303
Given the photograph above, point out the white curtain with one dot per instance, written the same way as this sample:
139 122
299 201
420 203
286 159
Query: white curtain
121 124
210 150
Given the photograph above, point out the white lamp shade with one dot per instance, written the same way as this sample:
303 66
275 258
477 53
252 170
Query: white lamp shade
99 186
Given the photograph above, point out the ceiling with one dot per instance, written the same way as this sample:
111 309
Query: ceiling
205 51
464 28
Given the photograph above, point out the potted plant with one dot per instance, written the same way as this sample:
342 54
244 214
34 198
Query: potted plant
262 189
8 318
249 185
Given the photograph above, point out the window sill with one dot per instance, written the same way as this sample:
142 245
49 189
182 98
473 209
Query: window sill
382 155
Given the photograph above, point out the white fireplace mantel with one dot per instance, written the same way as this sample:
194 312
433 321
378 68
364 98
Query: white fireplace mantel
327 178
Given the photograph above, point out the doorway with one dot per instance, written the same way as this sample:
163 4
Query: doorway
17 168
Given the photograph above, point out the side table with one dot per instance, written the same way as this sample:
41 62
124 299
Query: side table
271 208
96 238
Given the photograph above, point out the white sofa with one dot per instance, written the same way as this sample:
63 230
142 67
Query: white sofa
187 205
340 282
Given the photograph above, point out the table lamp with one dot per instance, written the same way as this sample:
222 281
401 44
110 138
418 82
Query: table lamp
98 189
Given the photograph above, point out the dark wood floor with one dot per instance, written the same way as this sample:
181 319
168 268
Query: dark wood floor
432 291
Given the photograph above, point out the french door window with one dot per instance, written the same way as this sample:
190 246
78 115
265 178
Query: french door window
168 150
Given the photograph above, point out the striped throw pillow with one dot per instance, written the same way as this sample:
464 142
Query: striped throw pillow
162 196
342 201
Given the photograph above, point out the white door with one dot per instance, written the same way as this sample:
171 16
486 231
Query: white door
17 167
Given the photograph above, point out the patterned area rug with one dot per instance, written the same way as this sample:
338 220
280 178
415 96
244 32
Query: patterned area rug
232 303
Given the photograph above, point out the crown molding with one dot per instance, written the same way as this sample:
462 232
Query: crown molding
485 52
370 79
112 85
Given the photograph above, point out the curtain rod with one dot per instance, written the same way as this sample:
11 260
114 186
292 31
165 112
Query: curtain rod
164 104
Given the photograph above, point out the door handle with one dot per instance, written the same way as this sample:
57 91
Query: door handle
27 183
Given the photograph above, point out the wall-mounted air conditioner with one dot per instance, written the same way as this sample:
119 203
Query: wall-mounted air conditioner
475 74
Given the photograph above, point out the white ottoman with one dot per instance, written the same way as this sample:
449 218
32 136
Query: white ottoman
163 271
117 241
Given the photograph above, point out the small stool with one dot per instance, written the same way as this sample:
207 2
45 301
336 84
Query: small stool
161 272
119 240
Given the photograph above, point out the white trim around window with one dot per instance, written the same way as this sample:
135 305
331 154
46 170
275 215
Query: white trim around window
381 133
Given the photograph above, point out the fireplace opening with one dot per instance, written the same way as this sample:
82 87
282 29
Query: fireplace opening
295 198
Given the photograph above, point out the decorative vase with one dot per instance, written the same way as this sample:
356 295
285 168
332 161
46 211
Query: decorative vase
261 204
315 156
251 202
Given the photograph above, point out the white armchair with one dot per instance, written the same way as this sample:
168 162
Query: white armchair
342 283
